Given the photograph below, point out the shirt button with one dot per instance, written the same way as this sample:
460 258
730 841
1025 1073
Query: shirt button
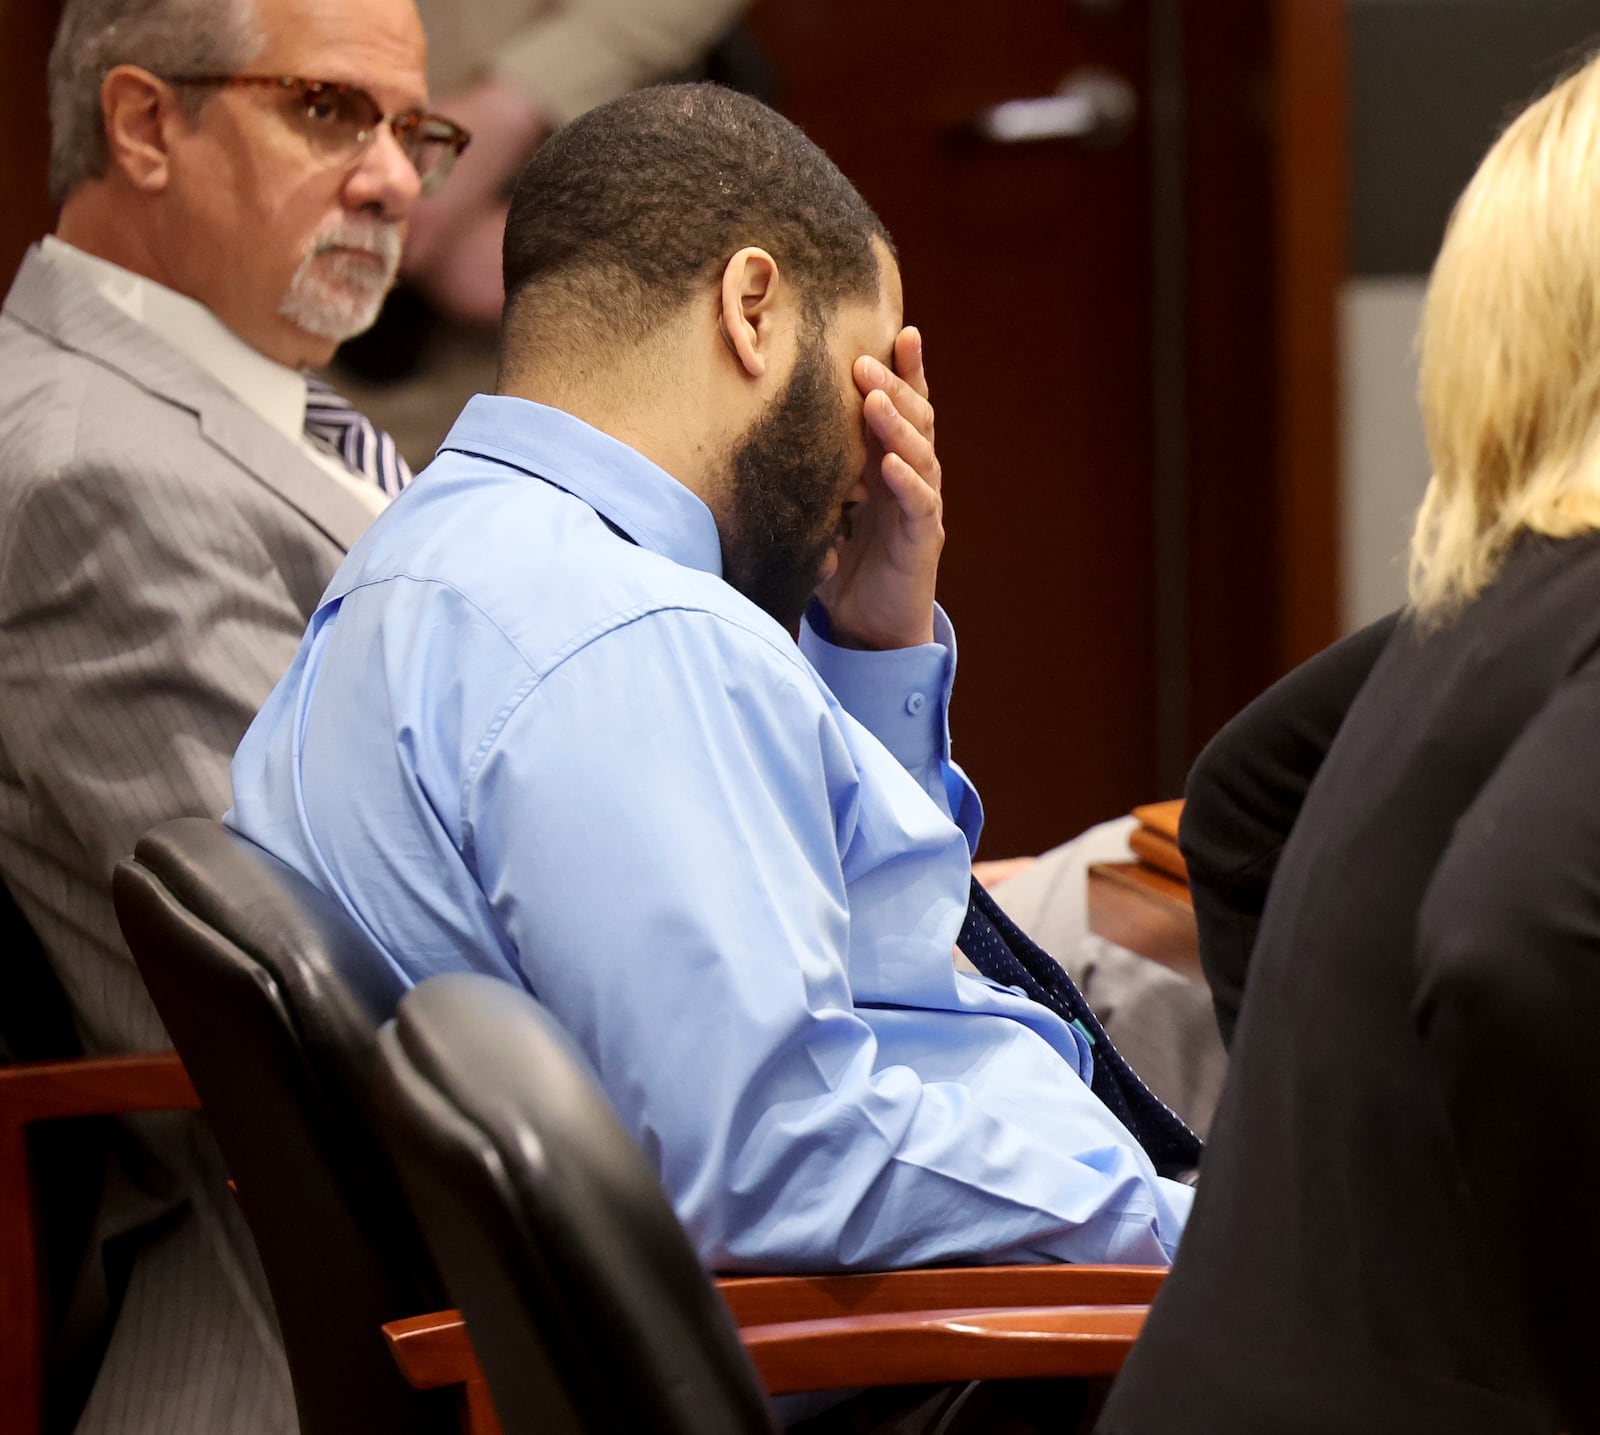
916 702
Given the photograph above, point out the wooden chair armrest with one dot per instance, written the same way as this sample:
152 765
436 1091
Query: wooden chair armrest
433 1350
768 1300
94 1086
37 1091
886 1348
913 1347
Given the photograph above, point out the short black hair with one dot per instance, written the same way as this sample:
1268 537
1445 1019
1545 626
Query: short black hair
623 213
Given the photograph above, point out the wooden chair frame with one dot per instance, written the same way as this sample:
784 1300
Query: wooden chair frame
37 1091
884 1328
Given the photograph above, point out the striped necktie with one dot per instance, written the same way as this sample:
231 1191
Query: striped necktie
350 435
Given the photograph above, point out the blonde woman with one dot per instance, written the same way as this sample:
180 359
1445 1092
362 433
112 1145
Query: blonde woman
1396 864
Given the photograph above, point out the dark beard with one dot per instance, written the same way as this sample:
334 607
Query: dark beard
788 473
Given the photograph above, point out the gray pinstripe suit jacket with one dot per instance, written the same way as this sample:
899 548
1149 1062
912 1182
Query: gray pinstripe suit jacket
161 549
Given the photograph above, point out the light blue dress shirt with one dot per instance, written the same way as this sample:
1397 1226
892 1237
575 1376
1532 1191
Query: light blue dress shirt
515 741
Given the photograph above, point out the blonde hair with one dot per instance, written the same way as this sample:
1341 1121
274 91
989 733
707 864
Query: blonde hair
1510 346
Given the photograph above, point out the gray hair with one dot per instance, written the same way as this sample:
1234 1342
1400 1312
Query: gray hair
166 37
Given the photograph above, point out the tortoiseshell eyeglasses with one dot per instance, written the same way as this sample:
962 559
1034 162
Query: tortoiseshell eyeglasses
341 121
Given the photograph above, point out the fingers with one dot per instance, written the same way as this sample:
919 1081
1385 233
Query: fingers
908 359
882 591
918 499
908 389
898 411
902 439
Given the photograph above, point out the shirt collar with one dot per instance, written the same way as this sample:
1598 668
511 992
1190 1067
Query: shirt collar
274 392
618 482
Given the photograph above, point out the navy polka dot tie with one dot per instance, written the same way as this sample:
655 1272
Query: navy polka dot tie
1002 951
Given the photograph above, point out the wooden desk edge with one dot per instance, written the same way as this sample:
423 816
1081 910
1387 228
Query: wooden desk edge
1146 911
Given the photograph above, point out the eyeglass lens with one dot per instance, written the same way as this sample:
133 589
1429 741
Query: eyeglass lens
343 121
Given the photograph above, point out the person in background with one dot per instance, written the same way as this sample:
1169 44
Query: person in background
511 71
1394 857
173 500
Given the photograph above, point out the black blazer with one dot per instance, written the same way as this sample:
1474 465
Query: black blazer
1394 1232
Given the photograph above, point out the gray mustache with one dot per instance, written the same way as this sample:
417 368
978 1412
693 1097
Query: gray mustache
382 241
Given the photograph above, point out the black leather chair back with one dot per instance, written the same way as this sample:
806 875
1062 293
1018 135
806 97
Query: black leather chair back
273 998
586 1304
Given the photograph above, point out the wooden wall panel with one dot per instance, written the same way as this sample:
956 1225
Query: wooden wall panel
1313 188
1267 175
26 27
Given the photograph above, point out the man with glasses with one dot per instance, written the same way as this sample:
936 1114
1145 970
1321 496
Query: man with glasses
235 179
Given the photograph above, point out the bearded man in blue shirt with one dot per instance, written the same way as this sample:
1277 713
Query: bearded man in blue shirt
551 722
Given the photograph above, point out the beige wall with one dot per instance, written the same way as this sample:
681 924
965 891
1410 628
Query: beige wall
1384 459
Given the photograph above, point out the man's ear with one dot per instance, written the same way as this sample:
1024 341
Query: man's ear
138 109
751 297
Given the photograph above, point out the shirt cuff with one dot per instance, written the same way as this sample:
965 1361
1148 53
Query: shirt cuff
901 696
